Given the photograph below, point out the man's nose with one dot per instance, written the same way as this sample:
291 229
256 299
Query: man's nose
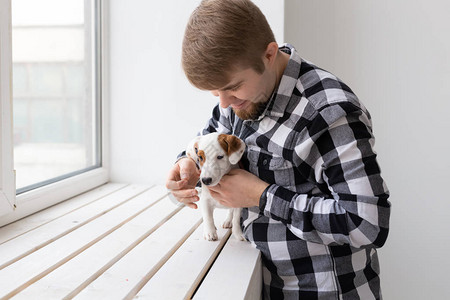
225 98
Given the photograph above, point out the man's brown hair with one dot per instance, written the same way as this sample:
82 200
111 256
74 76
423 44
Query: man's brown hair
222 35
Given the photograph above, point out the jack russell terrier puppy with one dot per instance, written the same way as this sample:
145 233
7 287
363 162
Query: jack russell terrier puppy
216 154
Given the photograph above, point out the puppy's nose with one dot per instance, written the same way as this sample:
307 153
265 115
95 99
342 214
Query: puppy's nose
207 180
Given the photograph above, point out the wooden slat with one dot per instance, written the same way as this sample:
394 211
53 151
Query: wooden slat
38 264
77 273
31 241
236 274
182 273
29 223
127 276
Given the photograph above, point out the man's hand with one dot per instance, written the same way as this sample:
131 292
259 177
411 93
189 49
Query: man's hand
181 182
238 188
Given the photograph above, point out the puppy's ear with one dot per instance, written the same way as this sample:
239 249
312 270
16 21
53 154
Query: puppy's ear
233 146
192 148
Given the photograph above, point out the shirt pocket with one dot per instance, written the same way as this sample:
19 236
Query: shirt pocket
271 168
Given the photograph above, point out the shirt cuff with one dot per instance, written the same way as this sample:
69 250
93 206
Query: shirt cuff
263 199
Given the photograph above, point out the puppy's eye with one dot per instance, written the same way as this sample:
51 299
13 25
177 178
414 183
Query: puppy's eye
196 150
220 157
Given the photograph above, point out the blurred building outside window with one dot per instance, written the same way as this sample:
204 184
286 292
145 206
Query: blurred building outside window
55 88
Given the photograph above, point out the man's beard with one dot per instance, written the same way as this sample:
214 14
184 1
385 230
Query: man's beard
254 110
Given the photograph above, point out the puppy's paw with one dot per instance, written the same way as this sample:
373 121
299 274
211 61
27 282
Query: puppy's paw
227 224
239 236
237 233
210 235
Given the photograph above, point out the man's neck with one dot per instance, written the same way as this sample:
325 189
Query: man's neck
281 64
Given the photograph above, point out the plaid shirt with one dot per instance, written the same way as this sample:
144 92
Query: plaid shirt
326 211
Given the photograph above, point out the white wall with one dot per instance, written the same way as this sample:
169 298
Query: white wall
154 110
396 56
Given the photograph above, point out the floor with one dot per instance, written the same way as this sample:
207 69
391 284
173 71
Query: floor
124 241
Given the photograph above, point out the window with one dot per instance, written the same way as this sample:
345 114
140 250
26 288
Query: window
54 90
57 133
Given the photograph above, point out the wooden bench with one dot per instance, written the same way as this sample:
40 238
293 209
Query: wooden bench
124 242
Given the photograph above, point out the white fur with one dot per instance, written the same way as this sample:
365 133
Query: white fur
213 168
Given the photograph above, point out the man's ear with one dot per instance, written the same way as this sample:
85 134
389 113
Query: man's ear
233 146
271 53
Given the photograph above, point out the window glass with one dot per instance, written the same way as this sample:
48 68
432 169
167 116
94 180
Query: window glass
55 107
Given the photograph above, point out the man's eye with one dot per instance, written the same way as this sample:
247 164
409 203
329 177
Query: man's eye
220 157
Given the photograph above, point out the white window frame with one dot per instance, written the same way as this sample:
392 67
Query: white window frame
14 207
7 178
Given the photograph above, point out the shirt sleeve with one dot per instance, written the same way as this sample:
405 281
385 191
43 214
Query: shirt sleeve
352 206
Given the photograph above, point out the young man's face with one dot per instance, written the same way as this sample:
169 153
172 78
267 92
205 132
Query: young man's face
247 93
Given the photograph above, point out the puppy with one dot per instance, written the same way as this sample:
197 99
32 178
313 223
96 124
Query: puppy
216 154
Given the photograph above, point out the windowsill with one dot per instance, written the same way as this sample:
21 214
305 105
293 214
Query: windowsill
120 241
51 194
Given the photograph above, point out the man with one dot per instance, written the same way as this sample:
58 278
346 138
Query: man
314 202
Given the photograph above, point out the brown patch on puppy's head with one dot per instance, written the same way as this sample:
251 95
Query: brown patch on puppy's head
232 145
201 157
229 143
192 149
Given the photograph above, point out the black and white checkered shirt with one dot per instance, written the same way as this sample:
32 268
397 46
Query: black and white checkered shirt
326 211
